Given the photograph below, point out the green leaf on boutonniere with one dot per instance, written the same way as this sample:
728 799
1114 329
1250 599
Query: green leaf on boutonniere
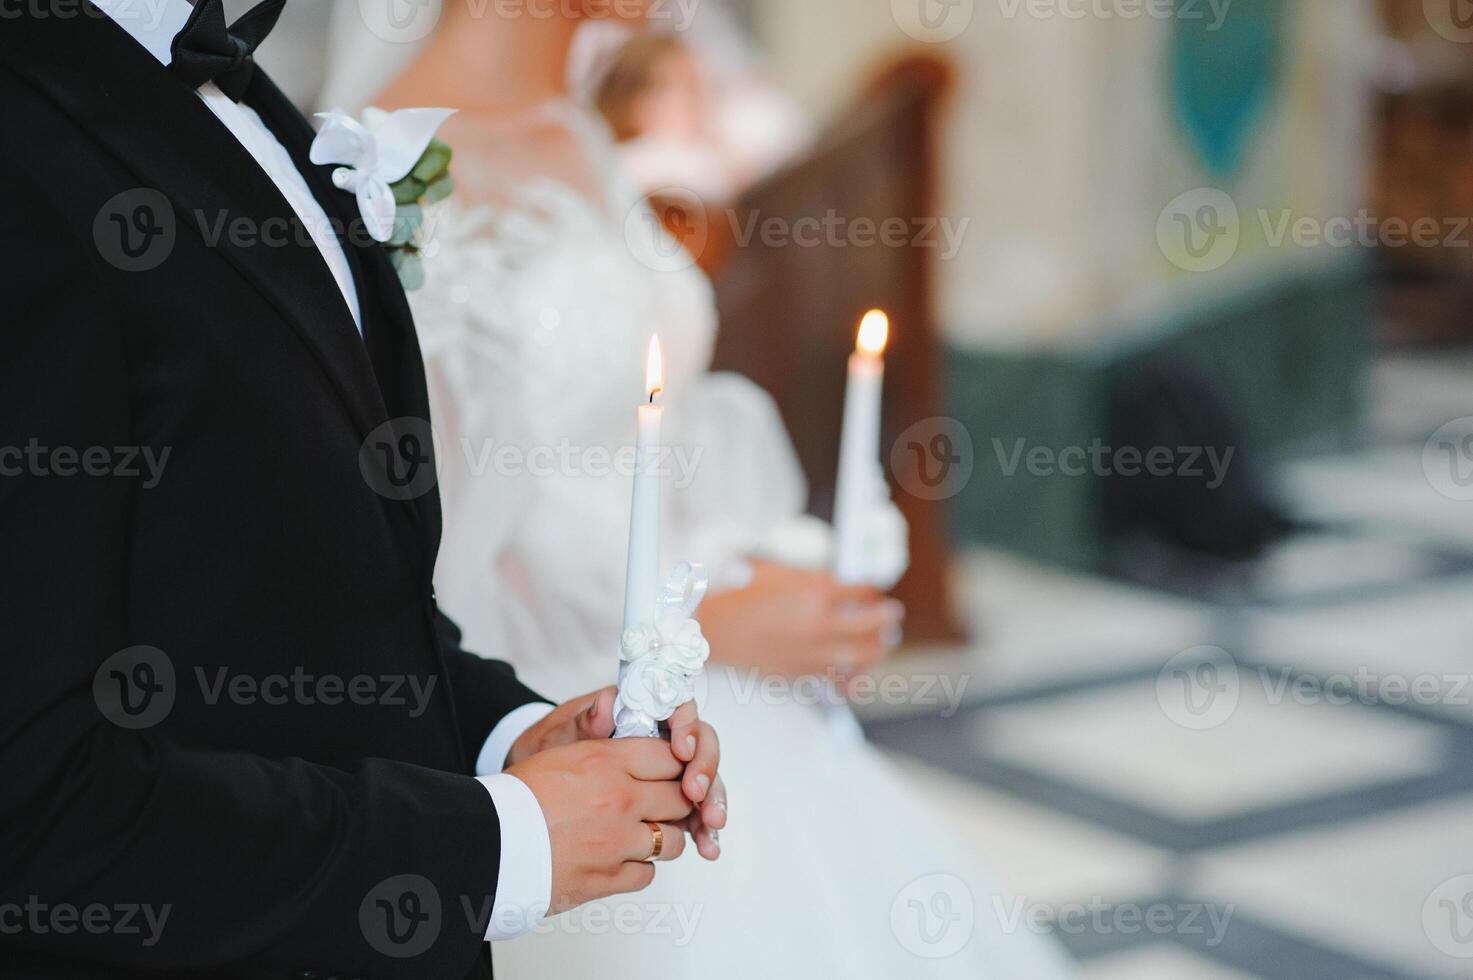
407 219
434 163
440 189
408 190
410 267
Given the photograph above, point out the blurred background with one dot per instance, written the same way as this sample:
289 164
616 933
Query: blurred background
1179 404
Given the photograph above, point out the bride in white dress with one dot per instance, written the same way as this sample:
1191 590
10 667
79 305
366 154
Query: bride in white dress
547 277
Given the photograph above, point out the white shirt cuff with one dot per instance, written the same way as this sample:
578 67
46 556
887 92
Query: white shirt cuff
524 880
498 744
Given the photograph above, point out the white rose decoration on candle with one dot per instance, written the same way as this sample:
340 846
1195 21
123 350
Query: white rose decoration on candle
661 659
674 641
884 537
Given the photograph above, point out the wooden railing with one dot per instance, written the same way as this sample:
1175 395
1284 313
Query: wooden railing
789 309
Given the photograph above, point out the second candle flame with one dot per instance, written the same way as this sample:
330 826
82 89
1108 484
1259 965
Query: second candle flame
654 372
874 333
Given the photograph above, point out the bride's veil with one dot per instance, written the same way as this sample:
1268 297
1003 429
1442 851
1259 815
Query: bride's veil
360 61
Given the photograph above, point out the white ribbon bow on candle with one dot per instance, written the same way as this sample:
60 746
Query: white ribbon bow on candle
663 657
375 156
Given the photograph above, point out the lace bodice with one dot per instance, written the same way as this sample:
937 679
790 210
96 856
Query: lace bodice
534 320
558 293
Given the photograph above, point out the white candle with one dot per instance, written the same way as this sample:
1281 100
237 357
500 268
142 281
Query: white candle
642 574
860 473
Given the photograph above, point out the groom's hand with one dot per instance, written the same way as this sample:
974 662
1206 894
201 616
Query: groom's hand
599 799
589 718
693 742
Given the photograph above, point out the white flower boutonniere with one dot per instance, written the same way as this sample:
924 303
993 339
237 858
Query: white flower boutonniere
395 167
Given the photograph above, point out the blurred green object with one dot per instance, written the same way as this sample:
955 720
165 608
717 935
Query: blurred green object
433 164
407 219
408 190
410 266
1291 357
438 191
1225 70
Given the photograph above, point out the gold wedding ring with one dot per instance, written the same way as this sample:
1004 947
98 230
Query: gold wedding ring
657 841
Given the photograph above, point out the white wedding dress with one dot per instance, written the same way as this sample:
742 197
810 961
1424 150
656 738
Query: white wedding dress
534 321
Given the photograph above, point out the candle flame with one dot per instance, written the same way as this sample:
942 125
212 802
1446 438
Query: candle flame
654 372
874 333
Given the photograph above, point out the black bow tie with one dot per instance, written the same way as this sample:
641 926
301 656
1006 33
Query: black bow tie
205 51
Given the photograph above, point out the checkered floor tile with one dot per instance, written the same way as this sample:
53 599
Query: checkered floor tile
1289 760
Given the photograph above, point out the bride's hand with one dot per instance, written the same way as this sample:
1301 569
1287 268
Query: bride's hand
795 623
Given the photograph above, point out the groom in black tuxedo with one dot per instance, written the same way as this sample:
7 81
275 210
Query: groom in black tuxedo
237 737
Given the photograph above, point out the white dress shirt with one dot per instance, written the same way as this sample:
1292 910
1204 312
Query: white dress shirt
524 880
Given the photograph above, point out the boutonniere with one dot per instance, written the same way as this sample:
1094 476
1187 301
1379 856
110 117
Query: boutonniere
395 167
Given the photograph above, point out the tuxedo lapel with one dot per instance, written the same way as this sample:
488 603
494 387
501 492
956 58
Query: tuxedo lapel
388 324
160 130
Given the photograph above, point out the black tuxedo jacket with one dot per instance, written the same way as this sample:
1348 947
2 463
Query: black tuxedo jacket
228 696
